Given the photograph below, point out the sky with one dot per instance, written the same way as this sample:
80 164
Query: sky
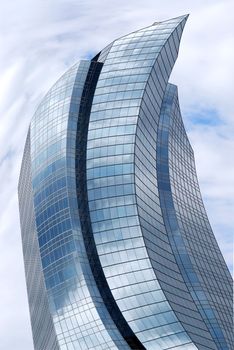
41 39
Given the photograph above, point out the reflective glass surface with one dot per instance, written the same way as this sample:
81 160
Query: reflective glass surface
121 170
189 231
80 317
118 250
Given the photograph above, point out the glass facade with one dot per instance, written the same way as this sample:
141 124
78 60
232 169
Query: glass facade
187 223
109 201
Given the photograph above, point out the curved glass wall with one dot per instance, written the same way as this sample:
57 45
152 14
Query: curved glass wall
43 331
134 62
80 318
187 224
118 250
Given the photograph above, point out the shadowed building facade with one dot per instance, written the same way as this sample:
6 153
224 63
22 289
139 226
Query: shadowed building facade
118 249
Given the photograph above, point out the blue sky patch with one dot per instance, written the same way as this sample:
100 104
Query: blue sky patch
209 117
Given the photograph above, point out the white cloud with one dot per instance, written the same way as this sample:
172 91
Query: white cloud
40 39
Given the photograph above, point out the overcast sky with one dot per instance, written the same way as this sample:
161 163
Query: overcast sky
40 39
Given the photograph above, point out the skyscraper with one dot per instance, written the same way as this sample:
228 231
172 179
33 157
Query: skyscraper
118 249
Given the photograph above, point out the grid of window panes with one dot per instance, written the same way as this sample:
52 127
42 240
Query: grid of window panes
81 182
80 317
111 180
200 260
152 223
42 324
170 106
154 242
